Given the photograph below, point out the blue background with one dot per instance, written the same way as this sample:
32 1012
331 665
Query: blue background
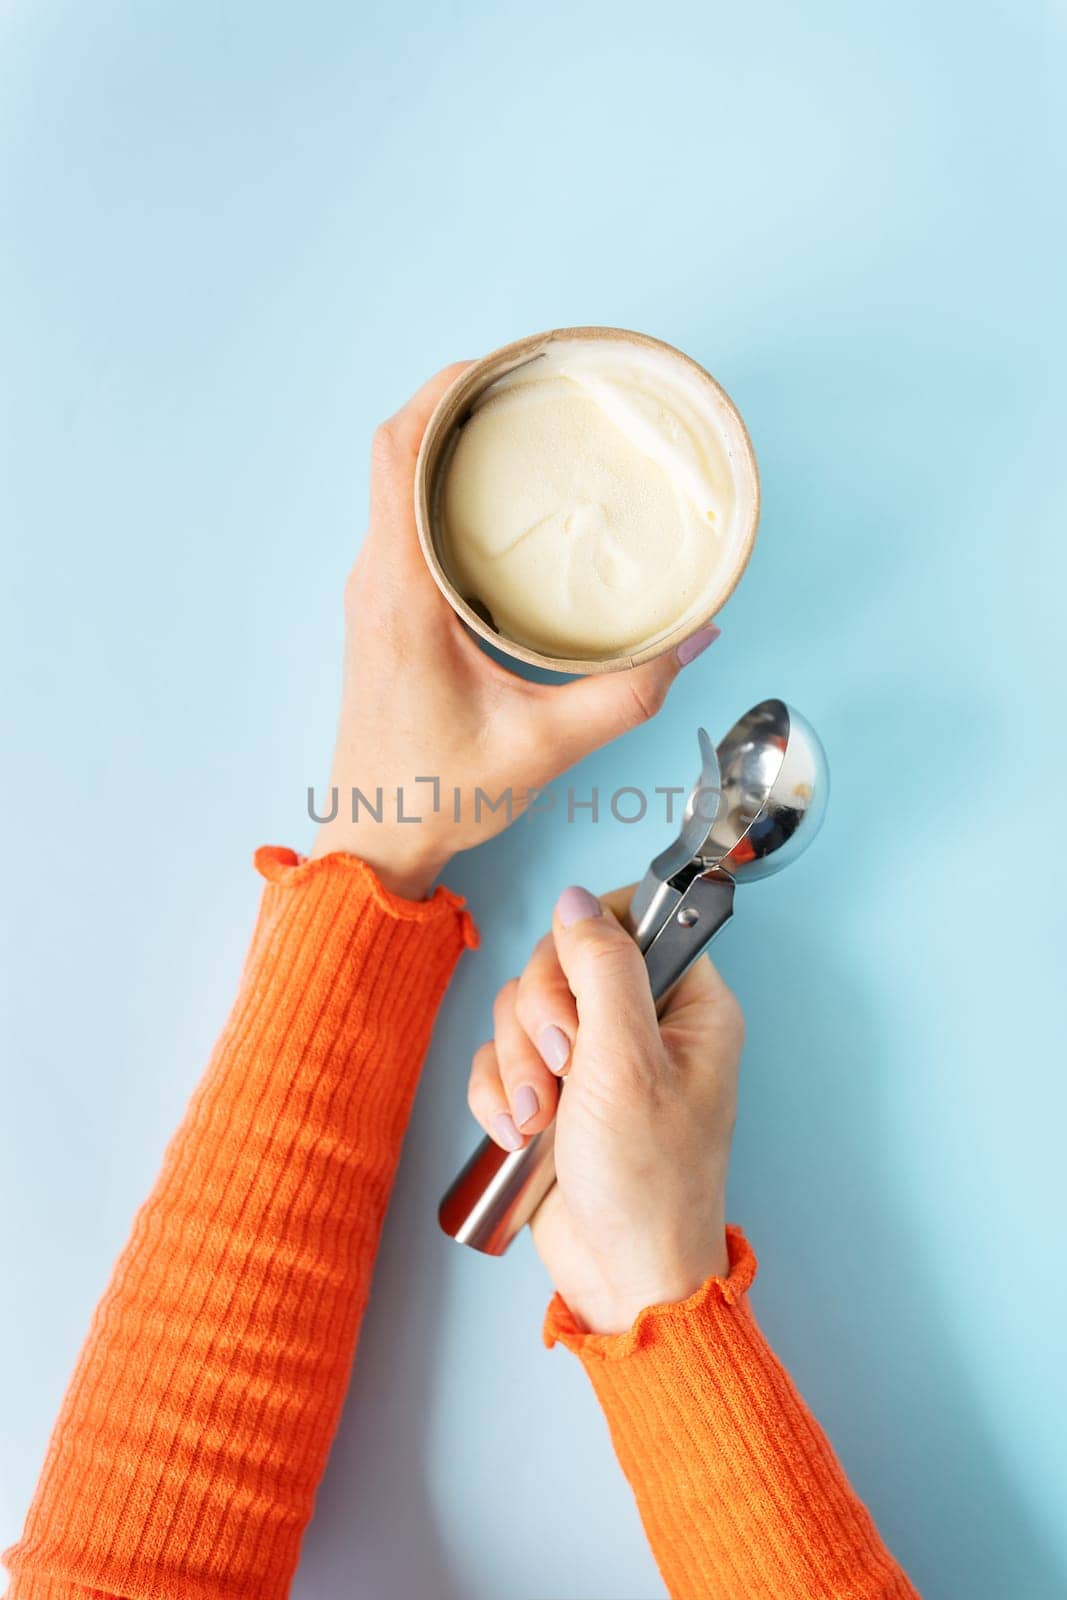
234 237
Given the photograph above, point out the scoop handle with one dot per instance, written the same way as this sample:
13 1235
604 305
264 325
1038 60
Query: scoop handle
498 1191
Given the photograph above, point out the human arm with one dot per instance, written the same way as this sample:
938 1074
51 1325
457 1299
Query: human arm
739 1491
198 1420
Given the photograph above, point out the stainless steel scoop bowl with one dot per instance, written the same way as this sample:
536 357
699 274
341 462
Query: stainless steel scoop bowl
775 782
757 805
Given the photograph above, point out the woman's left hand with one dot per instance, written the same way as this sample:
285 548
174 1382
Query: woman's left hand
427 716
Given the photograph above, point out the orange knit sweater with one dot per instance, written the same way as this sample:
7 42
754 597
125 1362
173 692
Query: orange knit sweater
184 1462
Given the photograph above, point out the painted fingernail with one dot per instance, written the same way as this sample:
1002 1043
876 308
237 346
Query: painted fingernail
696 644
525 1104
506 1132
576 905
555 1048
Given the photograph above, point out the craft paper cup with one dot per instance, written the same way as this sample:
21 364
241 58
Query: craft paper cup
451 413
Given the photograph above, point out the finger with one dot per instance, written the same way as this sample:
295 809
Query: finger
581 716
531 1089
489 1102
397 440
701 1002
703 985
703 1009
607 976
545 1007
394 452
618 901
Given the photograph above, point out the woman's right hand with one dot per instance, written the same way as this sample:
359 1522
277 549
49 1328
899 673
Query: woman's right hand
638 1214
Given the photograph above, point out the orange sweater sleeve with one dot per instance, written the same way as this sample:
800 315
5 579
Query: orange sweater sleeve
186 1456
739 1491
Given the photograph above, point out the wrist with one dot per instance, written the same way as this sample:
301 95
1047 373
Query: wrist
614 1304
404 866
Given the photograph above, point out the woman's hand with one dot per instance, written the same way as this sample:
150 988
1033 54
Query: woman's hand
644 1123
421 700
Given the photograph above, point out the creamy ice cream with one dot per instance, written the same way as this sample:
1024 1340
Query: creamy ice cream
590 503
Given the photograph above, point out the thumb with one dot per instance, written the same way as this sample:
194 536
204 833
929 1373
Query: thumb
581 716
392 540
607 976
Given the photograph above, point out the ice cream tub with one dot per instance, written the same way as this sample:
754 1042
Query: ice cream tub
586 498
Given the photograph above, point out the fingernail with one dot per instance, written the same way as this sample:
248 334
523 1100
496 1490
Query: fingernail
576 905
555 1048
696 644
525 1104
507 1133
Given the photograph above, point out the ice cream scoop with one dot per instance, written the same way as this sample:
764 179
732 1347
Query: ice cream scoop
758 803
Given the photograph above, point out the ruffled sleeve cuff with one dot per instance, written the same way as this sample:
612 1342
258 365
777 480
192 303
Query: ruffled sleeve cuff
658 1324
282 866
330 926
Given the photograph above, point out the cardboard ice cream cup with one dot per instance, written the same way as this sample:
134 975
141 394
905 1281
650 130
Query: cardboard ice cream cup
454 409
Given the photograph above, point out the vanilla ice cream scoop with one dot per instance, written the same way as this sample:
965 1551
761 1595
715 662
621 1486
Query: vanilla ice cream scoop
596 499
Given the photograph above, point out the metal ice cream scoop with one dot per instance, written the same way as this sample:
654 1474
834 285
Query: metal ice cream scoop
756 806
